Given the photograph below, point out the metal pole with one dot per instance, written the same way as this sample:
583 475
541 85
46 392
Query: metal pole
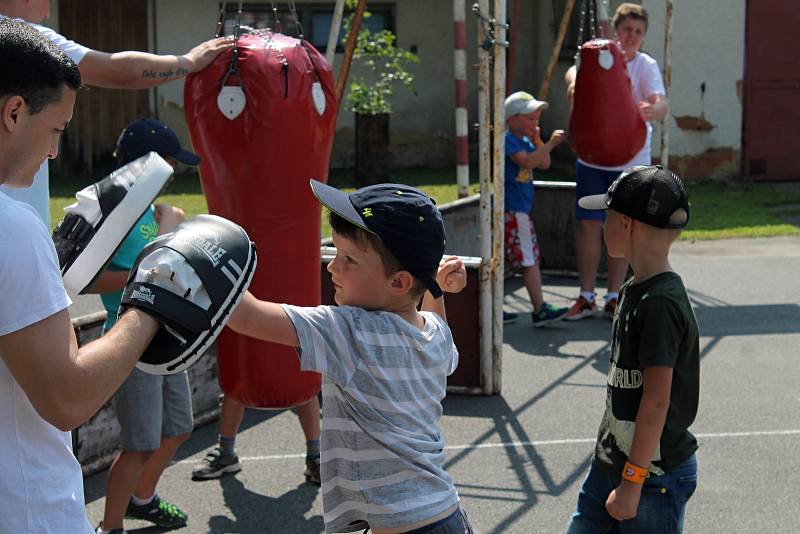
333 37
485 174
667 83
462 119
562 32
498 174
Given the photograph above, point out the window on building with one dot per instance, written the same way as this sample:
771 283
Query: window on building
314 18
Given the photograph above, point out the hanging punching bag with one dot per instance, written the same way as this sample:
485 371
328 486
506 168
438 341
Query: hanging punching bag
605 127
262 118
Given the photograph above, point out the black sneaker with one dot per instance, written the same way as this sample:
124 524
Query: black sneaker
312 469
509 318
216 464
159 512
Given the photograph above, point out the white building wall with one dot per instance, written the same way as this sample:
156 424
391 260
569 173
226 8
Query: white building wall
708 46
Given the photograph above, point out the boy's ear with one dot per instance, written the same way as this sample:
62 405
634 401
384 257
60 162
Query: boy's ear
401 283
11 108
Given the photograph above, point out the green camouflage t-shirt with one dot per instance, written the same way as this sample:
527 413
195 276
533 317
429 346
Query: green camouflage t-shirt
654 326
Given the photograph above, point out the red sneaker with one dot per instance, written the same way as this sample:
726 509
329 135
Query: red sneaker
582 308
610 308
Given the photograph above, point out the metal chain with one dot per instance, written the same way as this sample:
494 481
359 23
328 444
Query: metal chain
580 31
275 16
298 26
592 20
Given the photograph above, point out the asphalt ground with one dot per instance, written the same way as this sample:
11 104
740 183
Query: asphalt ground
519 458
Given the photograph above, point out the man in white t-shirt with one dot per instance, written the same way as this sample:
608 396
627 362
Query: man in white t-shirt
630 25
121 70
47 385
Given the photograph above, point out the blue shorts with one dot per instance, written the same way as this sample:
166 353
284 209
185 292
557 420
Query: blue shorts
591 181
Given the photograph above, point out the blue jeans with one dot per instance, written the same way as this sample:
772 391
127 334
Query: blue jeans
661 508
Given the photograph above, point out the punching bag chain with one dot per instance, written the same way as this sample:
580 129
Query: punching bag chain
580 32
298 26
592 20
275 16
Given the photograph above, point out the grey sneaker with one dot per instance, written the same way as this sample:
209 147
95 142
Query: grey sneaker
312 469
216 464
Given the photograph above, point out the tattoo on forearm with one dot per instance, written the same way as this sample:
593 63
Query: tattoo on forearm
165 74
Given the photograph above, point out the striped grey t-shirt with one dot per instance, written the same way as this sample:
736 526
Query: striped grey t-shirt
383 385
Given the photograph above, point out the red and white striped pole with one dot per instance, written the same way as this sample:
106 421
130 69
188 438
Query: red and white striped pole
462 119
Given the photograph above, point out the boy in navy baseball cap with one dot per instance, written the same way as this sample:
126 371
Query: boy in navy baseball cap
384 363
151 135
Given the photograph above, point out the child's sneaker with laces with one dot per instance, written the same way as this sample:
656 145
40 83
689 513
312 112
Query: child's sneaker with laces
216 464
159 512
548 314
580 309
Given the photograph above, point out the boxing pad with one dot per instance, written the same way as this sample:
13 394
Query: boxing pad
105 212
190 280
605 127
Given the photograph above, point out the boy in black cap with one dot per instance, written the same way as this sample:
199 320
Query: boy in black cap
154 411
644 468
384 363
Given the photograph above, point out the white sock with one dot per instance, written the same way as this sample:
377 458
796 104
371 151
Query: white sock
141 502
611 295
588 295
100 530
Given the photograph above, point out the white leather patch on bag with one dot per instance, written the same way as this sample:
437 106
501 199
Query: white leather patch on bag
319 97
231 101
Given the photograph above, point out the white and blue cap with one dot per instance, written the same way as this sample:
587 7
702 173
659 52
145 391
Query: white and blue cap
403 217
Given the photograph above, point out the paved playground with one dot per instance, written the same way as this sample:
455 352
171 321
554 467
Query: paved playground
518 459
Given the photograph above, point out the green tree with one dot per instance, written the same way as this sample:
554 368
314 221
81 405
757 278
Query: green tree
384 67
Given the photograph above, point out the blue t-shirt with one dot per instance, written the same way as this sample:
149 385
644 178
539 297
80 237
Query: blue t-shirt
144 231
518 181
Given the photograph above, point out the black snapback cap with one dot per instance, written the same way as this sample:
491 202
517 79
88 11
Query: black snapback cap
403 217
650 194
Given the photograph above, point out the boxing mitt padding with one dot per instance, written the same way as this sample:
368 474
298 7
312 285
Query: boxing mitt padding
190 281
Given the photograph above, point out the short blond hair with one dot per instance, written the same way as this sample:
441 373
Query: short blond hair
633 11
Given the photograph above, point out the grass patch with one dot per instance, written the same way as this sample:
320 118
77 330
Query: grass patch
719 210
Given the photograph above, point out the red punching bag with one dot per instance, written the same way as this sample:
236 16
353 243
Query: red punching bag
262 118
605 127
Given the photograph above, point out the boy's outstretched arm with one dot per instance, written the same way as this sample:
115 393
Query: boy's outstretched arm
452 278
624 500
263 320
540 159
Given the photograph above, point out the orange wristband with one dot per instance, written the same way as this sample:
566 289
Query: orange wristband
634 473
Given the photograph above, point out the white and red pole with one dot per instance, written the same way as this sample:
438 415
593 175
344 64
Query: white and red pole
462 118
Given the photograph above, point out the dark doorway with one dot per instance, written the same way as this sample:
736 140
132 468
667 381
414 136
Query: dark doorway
770 134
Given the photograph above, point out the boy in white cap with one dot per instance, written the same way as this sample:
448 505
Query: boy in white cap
526 151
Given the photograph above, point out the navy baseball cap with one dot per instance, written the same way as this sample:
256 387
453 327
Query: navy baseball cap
403 217
151 135
650 194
